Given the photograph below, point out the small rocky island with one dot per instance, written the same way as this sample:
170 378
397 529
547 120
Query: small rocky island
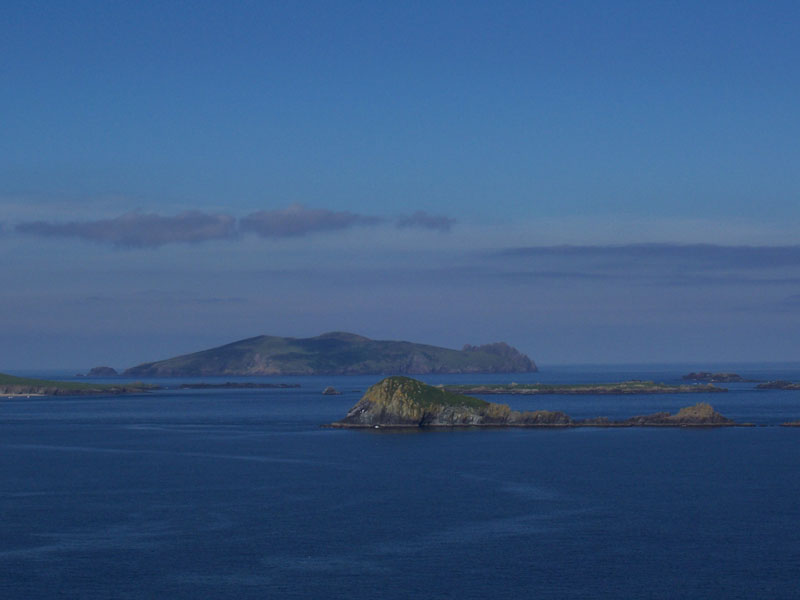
406 402
102 372
623 387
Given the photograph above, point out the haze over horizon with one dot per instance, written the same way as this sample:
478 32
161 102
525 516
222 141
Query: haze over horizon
589 182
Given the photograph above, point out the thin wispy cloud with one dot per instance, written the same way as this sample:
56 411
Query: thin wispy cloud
140 230
423 220
691 255
298 220
659 265
151 230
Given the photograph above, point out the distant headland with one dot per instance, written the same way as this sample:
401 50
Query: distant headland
336 353
406 402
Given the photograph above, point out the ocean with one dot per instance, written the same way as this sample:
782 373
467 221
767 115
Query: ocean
241 494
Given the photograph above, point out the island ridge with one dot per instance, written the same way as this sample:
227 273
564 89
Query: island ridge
336 353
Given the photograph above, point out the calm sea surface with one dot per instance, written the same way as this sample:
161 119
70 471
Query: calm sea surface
240 494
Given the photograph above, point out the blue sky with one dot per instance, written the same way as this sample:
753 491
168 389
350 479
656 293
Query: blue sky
591 182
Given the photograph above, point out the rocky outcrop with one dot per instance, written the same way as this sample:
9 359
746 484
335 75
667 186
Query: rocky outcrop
701 414
406 402
331 391
102 372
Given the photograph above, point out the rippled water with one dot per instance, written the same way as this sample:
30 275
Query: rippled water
240 494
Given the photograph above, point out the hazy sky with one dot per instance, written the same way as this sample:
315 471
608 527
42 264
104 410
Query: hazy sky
588 181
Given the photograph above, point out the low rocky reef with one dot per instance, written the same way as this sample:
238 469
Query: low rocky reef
778 385
624 387
406 402
236 385
710 377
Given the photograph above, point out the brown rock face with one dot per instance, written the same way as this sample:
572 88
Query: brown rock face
700 414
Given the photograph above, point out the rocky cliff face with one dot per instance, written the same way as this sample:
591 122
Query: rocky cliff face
406 402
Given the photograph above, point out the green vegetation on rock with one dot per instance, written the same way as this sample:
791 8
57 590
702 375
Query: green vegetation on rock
336 354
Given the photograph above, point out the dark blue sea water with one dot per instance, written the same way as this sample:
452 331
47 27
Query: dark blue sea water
240 494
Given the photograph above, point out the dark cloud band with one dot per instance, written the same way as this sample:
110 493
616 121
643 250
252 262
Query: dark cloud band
297 220
141 230
148 230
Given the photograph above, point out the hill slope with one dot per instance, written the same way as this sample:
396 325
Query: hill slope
336 354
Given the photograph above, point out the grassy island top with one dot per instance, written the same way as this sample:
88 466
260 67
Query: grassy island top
424 395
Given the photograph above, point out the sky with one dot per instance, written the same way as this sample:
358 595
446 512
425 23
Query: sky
591 182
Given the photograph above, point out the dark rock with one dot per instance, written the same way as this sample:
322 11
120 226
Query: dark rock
331 391
102 372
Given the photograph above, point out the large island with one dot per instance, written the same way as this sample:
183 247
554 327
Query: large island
336 353
406 402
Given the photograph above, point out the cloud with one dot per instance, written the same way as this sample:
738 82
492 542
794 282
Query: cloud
297 220
424 220
140 230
